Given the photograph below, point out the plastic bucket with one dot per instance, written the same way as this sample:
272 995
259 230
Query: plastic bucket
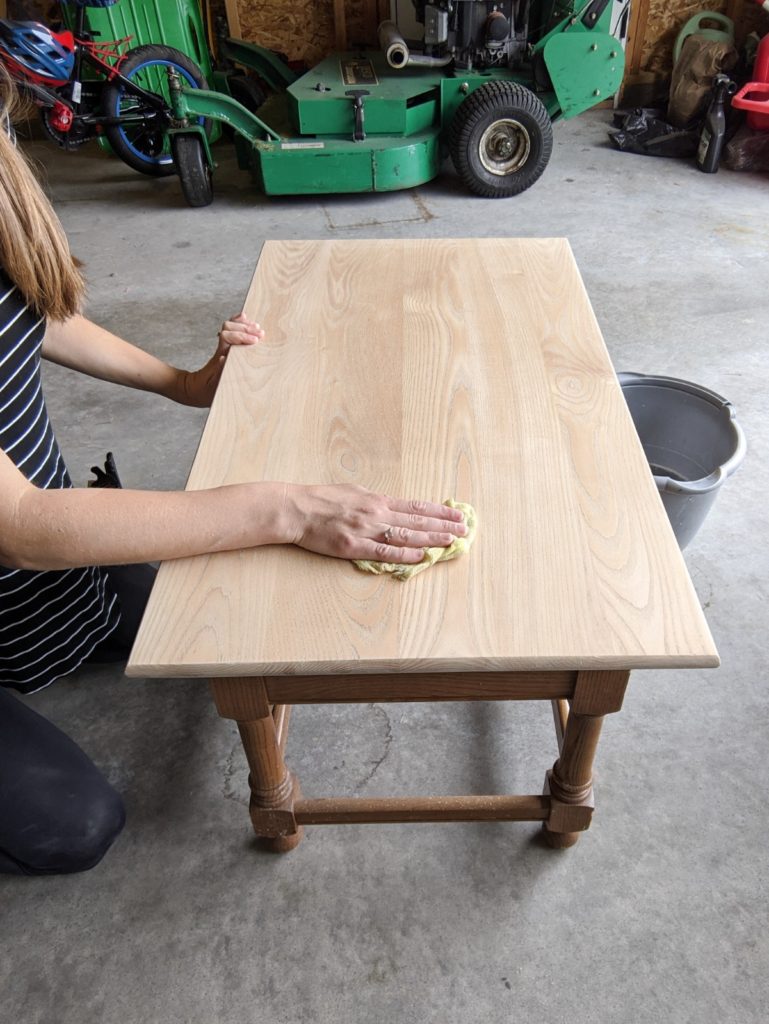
692 441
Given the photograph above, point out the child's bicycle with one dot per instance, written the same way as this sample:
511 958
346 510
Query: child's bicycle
85 89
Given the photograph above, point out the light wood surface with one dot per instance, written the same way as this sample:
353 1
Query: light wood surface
233 18
471 369
340 26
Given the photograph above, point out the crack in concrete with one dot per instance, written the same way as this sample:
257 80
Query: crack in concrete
423 213
424 210
387 743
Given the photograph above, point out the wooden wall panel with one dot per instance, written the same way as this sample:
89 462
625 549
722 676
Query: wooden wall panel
32 10
308 30
301 29
664 20
305 29
749 17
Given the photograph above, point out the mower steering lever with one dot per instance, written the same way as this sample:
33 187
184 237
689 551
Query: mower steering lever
357 95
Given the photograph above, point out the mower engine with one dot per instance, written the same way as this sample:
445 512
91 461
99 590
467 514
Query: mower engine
475 33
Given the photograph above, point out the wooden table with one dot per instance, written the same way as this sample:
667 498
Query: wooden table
472 369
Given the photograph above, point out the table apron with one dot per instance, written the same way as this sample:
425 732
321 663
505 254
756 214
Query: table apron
444 686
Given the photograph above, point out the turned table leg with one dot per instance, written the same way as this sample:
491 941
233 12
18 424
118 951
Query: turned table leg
274 789
570 781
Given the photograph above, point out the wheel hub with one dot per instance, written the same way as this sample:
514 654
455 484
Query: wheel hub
504 147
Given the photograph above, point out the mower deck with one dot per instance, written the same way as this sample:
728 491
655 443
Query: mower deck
402 116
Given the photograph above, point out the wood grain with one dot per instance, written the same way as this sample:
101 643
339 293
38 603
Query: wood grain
472 369
309 30
364 810
233 18
340 26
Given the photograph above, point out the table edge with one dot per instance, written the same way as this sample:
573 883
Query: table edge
607 664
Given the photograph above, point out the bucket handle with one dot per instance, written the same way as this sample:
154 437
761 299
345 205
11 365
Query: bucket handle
719 475
707 483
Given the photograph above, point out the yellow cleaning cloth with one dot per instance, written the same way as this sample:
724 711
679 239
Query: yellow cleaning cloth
432 555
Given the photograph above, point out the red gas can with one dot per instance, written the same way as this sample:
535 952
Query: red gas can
754 97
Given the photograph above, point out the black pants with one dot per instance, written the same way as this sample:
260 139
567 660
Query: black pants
58 814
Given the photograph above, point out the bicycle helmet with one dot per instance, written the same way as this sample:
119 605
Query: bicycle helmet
36 52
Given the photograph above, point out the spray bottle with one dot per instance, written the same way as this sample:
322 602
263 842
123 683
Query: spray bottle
713 133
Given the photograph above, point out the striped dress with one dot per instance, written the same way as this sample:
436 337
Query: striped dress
49 621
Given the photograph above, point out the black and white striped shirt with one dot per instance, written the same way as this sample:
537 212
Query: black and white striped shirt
49 621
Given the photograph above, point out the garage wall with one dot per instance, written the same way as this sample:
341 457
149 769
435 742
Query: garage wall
659 23
309 29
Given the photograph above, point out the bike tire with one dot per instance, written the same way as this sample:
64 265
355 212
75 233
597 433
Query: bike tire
193 169
146 148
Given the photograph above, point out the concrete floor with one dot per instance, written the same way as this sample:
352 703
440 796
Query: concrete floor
659 913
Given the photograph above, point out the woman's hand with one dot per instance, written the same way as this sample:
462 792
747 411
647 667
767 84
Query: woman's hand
198 387
346 521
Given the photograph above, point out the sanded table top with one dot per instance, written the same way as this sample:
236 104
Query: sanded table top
467 368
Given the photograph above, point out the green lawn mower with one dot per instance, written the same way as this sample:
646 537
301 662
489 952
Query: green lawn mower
485 86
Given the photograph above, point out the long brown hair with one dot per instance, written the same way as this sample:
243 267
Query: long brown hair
34 251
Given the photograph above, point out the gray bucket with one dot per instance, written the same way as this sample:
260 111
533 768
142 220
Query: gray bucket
692 441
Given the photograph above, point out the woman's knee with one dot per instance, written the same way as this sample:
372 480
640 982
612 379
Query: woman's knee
58 813
83 841
74 837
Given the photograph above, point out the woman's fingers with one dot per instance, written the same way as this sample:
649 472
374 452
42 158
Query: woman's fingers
352 522
240 330
372 551
402 537
416 524
405 526
418 510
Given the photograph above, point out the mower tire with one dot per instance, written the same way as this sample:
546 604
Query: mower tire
193 169
246 91
500 139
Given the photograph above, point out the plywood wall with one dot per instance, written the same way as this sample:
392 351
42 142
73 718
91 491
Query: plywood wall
664 20
307 30
32 10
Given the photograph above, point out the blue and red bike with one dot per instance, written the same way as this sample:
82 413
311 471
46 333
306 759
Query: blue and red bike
85 89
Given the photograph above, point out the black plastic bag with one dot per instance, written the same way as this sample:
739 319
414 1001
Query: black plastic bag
644 131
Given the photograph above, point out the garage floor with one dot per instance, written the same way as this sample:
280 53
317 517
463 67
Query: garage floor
659 913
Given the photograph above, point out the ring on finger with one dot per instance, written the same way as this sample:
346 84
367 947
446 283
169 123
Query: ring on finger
388 535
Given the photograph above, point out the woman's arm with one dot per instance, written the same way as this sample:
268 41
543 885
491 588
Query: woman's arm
80 344
60 529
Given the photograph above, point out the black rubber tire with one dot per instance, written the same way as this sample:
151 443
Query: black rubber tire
500 139
246 91
147 149
193 169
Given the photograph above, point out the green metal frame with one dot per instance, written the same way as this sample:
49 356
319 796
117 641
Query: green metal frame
266 63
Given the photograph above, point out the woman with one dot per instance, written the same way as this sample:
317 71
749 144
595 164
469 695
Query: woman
59 606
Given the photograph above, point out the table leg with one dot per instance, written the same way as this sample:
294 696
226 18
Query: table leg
274 789
570 781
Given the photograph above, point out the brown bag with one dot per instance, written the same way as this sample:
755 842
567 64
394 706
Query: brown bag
700 61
